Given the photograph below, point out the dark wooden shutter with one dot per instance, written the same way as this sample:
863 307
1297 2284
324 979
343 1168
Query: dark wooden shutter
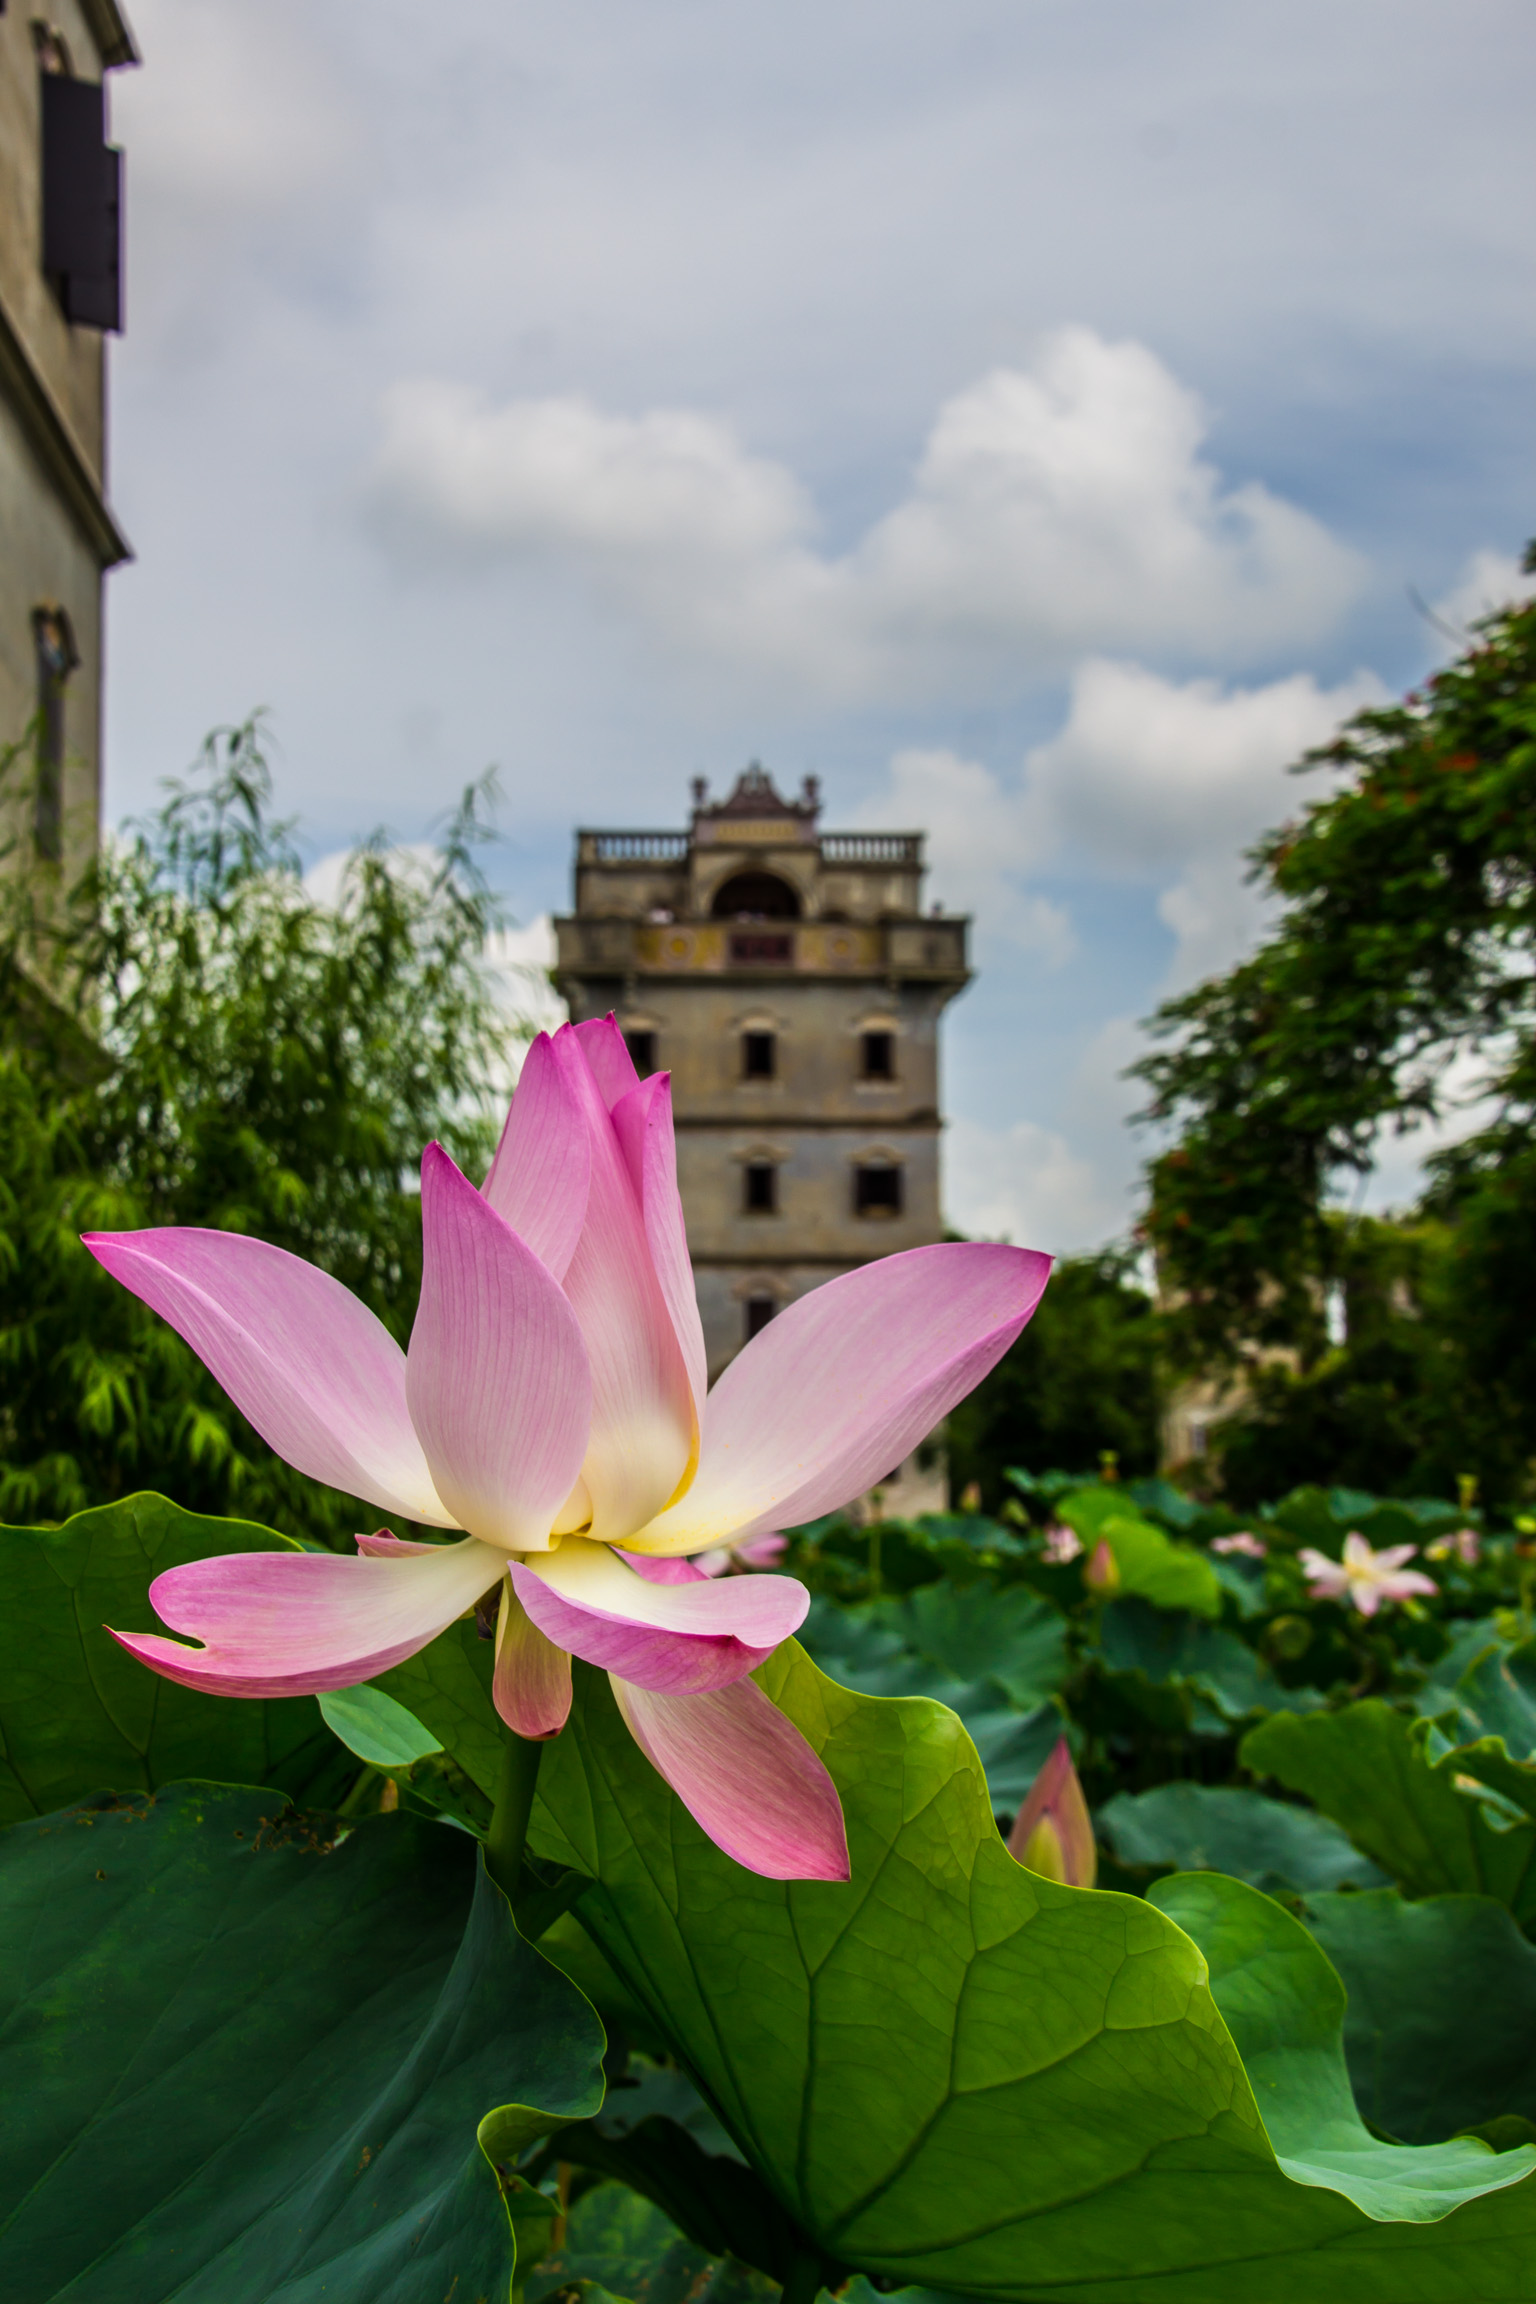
82 202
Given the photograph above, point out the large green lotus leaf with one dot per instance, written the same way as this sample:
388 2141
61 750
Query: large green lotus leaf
1170 1645
1369 1768
1440 2033
248 2067
78 1714
1284 2006
1207 1828
953 2073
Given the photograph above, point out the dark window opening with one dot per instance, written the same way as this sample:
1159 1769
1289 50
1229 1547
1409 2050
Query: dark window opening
877 1191
755 896
879 1049
751 947
760 1310
82 202
53 646
760 1190
642 1051
758 1055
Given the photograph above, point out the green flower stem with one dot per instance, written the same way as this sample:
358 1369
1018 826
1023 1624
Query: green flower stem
803 2283
514 1803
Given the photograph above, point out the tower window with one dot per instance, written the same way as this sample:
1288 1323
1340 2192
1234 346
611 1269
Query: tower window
759 1310
877 1191
53 643
759 1056
82 199
642 1051
879 1054
760 1188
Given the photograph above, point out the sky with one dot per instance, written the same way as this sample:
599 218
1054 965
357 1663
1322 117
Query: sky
1041 421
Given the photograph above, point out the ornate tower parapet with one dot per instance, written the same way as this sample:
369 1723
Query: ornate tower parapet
791 983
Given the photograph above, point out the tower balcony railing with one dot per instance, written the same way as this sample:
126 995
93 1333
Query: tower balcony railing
872 848
916 946
632 847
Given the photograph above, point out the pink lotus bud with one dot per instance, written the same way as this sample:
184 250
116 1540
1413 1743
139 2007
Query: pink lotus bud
1052 1833
1102 1573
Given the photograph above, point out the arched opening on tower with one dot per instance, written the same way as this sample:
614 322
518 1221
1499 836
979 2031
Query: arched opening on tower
755 896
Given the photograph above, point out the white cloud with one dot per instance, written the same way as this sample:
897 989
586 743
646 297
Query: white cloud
1159 780
1490 580
1054 509
1147 771
1026 1184
977 842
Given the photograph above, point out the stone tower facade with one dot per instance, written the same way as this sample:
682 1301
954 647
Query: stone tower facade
60 297
790 981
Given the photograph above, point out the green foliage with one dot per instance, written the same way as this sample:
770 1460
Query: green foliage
1220 1828
1370 1769
955 2073
267 1063
262 2069
1082 1378
1148 1561
1284 2006
79 1714
1440 2032
1405 946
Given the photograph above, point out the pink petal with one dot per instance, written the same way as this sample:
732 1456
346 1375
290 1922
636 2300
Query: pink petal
680 1639
1395 1556
643 1422
1057 1811
663 1571
607 1052
496 1376
1406 1584
843 1384
642 1122
1367 1598
765 1551
383 1546
321 1379
746 1776
531 1685
542 1171
298 1623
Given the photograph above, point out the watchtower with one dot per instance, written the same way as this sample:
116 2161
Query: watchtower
791 983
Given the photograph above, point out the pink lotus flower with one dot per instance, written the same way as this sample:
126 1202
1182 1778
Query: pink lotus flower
1366 1577
1250 1547
1053 1833
552 1405
1463 1544
1061 1544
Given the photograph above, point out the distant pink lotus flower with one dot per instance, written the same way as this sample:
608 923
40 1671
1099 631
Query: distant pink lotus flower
1251 1547
1053 1833
1464 1544
1364 1576
552 1404
1061 1544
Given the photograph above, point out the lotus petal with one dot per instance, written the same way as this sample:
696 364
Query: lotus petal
675 1638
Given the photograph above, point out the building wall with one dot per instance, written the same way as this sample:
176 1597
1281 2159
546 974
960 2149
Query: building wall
70 361
57 535
861 956
44 557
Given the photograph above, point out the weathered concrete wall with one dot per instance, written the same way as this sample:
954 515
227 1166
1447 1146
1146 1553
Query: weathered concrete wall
69 361
44 557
